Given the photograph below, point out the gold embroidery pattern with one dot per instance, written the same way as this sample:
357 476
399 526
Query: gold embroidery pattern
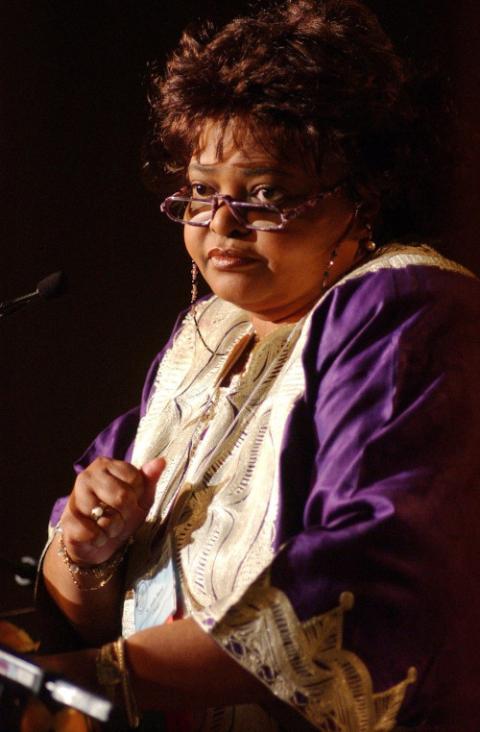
184 382
181 391
304 664
224 537
224 498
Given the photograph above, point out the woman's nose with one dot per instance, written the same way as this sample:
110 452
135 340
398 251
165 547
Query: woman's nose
224 223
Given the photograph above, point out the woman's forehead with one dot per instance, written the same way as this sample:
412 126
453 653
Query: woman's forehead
254 150
244 164
218 143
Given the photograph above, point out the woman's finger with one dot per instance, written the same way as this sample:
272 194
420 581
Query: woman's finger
108 519
127 474
79 529
150 472
102 489
109 501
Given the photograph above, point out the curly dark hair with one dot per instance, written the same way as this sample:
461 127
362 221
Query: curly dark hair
307 76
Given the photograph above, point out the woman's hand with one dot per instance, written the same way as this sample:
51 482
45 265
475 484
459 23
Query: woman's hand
125 494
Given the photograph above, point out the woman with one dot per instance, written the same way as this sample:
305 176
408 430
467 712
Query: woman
306 440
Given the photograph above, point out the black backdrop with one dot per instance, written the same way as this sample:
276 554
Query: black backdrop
72 121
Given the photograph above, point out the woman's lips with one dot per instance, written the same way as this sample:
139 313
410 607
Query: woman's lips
229 259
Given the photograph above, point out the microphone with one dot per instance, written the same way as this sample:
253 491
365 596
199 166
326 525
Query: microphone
51 286
24 571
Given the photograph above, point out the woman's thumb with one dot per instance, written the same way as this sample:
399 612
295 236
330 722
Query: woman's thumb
151 472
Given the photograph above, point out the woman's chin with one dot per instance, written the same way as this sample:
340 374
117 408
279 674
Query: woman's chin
240 299
238 290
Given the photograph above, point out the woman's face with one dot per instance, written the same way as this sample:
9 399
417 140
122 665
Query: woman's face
275 276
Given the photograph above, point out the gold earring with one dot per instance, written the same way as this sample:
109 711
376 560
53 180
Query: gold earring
194 290
367 243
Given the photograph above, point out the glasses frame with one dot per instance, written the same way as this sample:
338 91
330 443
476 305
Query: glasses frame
286 214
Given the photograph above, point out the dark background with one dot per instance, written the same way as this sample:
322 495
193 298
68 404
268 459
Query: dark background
73 115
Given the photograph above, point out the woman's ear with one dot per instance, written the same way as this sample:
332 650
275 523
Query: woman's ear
368 201
367 210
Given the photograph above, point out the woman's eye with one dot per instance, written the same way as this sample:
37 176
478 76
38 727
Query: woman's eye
200 190
268 194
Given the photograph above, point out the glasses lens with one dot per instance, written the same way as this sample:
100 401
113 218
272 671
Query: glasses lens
257 217
190 210
198 212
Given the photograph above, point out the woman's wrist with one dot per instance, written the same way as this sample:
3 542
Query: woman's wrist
113 676
90 577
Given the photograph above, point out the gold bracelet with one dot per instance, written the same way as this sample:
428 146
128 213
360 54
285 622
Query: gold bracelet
112 672
101 573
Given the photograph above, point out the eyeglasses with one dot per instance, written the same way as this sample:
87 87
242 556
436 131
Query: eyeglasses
256 216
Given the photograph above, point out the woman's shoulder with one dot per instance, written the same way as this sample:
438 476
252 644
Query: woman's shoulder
397 258
400 276
403 292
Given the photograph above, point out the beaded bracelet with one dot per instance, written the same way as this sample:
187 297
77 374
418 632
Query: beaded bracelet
112 671
101 573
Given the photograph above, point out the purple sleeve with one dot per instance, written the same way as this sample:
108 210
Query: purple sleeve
381 497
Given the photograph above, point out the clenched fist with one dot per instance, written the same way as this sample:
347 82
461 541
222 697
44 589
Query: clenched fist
125 494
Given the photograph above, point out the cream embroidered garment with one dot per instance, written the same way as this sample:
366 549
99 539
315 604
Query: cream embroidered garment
209 534
207 484
217 489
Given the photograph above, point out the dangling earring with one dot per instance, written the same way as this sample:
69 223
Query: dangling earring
367 243
194 290
331 262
